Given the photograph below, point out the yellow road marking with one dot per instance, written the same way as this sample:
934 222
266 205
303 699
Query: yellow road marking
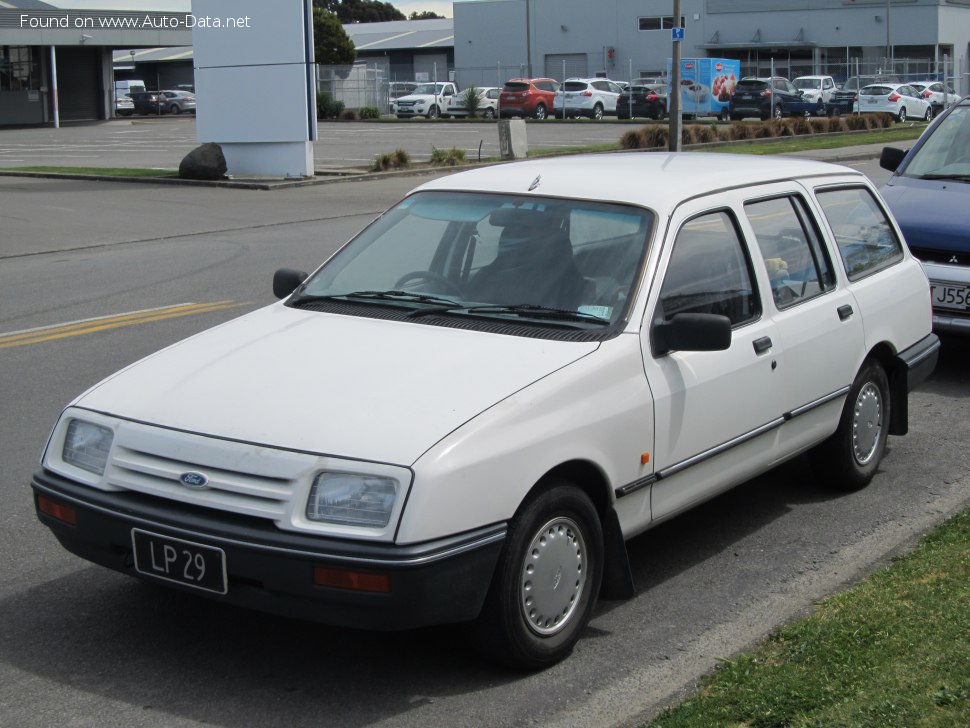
90 326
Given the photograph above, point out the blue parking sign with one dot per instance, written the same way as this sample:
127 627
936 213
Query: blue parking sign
677 33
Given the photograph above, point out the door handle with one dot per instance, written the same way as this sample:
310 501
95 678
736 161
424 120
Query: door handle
845 312
761 345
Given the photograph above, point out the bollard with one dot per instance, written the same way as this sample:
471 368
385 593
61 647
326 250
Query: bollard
512 140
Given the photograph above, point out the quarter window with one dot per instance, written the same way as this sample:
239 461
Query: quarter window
867 242
709 272
794 258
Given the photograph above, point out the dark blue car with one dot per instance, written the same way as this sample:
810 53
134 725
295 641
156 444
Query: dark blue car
929 194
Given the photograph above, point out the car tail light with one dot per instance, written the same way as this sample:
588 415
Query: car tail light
652 97
927 93
766 92
586 93
894 96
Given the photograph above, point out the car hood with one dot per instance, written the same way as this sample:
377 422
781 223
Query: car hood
415 97
932 213
346 386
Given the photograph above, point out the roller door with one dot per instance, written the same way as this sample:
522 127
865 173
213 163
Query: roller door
577 65
79 83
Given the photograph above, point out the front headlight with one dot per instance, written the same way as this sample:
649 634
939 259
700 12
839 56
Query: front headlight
351 499
86 446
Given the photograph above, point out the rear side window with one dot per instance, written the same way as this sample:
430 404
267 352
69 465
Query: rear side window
793 256
709 272
867 242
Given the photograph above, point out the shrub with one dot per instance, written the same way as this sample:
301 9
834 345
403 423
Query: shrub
472 101
349 115
381 162
327 108
630 139
704 134
802 126
447 158
370 112
741 131
654 136
401 158
398 159
856 122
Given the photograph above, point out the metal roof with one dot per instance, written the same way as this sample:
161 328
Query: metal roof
152 55
397 35
25 5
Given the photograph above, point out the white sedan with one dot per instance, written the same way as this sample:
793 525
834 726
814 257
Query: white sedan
936 93
899 99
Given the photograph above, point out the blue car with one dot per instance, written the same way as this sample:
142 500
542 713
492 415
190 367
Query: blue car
929 194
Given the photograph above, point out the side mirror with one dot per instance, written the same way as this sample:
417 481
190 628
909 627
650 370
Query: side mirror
286 280
691 332
891 158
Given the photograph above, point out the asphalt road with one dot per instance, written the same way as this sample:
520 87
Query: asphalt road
83 646
161 143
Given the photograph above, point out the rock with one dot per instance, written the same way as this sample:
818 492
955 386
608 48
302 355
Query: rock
205 162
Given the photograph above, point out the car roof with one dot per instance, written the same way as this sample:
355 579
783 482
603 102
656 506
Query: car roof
798 77
632 177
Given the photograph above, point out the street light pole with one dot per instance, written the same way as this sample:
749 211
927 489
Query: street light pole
673 90
889 39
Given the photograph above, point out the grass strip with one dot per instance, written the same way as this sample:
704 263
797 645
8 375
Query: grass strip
892 651
99 171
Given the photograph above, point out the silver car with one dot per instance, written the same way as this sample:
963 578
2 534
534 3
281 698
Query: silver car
176 102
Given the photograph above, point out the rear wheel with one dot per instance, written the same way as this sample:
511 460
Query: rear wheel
777 113
598 111
174 109
901 116
489 113
929 114
850 457
540 112
547 580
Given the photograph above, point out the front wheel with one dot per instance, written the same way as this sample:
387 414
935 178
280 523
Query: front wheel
901 116
540 112
546 581
850 457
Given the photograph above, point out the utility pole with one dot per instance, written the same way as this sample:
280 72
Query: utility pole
673 90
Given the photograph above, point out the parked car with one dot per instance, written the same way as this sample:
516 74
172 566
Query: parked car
124 106
929 194
649 101
427 99
528 97
898 99
494 385
817 90
937 93
844 98
487 102
592 97
765 98
148 102
178 101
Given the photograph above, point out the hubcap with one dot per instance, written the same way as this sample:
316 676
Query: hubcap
553 576
866 423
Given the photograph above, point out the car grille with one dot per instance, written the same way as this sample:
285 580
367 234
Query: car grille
941 256
241 478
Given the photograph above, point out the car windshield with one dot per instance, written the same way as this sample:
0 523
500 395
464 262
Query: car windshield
946 151
472 255
808 83
428 89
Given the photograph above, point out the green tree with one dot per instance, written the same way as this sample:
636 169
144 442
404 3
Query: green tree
425 15
361 11
331 44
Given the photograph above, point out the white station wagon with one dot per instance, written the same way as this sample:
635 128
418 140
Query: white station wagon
466 412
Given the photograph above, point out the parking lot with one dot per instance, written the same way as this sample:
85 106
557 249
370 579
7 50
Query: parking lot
161 143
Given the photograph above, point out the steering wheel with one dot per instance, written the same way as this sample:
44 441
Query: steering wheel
427 275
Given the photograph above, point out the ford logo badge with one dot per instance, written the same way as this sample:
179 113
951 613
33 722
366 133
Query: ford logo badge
198 481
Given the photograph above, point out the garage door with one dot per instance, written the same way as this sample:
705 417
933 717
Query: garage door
577 65
79 83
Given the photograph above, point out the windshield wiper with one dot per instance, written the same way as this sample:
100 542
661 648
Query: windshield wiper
954 177
402 296
525 310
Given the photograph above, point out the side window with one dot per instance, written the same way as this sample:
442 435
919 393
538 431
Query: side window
793 256
709 272
867 242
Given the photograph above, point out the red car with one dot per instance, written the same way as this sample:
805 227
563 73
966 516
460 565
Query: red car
528 97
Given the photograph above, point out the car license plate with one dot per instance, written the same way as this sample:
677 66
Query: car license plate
873 101
956 297
184 562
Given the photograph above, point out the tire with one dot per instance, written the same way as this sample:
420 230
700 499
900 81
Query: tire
175 109
850 457
777 113
598 111
556 538
540 112
433 112
489 113
901 116
929 114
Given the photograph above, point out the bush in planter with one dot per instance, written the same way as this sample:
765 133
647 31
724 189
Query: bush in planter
327 108
369 112
472 101
447 157
741 131
704 133
630 140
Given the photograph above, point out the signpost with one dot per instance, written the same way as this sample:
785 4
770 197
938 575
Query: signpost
673 90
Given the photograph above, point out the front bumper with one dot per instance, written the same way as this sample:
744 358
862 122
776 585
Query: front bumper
438 582
948 320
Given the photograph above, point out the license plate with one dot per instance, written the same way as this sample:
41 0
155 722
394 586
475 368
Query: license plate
183 562
956 297
873 101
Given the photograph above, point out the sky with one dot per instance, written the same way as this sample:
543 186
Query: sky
442 7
